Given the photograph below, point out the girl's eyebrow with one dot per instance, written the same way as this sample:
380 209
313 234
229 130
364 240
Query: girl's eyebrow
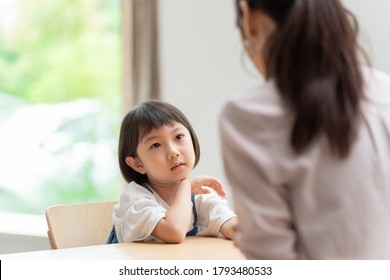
150 138
154 137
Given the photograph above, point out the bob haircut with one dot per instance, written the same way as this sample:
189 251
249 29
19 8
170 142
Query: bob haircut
139 122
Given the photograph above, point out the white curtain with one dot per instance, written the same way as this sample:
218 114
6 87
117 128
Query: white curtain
140 48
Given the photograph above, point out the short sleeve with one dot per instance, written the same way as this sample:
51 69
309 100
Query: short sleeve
136 214
213 212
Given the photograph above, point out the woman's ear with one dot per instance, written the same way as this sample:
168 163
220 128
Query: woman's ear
136 164
247 25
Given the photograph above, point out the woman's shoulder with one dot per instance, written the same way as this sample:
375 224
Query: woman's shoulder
257 107
377 85
376 73
260 100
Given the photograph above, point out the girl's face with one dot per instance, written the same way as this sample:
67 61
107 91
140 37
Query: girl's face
166 155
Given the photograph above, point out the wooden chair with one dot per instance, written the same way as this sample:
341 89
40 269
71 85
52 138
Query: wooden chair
77 225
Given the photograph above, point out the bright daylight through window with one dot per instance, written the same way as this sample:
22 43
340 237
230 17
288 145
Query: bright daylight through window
60 84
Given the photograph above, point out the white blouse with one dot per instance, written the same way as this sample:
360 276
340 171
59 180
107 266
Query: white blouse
312 205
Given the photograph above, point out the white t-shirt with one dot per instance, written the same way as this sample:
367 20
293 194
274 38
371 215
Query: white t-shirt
139 210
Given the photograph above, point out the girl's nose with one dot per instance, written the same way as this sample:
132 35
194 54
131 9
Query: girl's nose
172 156
173 152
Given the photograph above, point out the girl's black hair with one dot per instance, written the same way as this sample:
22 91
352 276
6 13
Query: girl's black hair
313 58
140 121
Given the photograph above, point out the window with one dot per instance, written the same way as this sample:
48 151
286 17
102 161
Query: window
60 93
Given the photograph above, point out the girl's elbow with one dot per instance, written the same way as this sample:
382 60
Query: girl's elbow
170 232
175 240
175 237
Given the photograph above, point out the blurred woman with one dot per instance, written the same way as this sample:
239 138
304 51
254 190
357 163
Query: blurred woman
307 152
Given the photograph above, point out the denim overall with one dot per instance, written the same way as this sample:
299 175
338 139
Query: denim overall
113 239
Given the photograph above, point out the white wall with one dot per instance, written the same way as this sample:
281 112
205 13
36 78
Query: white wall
374 22
201 67
201 61
22 232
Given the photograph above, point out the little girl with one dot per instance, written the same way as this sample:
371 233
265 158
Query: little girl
157 150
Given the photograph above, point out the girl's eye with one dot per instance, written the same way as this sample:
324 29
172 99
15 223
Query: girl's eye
155 146
179 136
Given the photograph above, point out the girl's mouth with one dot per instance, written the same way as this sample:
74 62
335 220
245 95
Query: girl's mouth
177 166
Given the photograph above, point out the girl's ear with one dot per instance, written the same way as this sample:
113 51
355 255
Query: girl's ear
136 164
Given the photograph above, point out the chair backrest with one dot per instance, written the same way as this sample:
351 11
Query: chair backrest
77 225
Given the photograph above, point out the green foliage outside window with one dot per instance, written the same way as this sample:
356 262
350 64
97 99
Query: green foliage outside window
56 57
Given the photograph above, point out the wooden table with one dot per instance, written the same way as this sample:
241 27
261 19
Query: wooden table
193 248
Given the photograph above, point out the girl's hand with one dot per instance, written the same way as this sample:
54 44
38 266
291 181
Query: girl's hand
203 184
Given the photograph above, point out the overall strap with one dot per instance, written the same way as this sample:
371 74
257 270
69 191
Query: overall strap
112 237
194 231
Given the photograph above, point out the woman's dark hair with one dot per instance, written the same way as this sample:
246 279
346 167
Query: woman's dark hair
313 58
139 122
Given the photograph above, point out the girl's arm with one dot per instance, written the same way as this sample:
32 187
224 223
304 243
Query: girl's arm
228 228
173 228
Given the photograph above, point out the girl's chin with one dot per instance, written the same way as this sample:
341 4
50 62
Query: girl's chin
170 181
